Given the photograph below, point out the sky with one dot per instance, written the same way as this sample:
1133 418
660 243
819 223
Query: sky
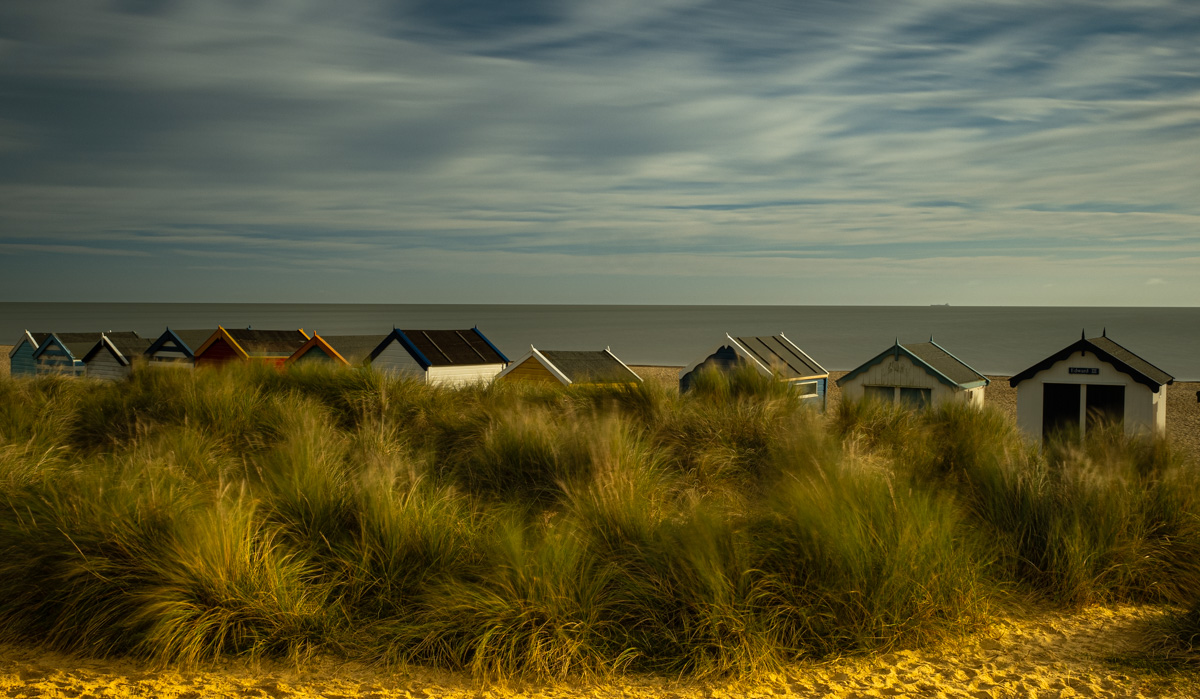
890 152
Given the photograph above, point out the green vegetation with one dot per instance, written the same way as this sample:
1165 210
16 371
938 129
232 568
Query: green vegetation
506 530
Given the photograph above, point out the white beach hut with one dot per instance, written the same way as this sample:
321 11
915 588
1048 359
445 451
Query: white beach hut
1088 383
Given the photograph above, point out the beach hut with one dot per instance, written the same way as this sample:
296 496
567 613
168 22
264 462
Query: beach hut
177 348
570 368
112 357
446 357
918 375
272 347
1090 382
770 355
20 357
62 353
345 350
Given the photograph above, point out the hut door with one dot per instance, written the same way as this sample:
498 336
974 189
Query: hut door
1105 405
1060 409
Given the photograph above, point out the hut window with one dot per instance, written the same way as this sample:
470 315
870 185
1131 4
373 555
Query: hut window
806 389
885 394
918 398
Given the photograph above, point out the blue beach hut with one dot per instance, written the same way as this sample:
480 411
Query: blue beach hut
20 357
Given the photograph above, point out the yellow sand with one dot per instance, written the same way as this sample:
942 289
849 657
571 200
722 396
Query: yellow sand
1038 655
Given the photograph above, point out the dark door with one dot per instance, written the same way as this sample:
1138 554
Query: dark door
1060 410
1105 406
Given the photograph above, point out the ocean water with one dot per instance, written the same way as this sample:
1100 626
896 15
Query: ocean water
995 340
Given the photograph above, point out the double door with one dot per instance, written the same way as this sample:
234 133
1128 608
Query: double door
1062 403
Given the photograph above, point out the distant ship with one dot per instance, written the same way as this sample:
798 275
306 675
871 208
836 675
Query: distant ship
939 304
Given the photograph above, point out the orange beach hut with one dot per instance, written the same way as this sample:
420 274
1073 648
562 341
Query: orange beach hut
272 347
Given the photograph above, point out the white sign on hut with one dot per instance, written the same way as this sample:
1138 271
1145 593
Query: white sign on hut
1088 383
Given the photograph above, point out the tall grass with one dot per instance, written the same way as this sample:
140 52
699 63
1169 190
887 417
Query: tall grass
540 531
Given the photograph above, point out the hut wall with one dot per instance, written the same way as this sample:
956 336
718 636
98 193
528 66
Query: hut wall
901 372
1145 410
463 375
105 366
55 359
315 354
218 353
21 362
396 360
170 354
531 370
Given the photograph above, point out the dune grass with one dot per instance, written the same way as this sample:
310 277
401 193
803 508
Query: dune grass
533 531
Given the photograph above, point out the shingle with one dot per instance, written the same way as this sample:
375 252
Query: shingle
129 347
353 348
453 347
265 343
79 344
194 338
947 364
589 367
778 354
1132 360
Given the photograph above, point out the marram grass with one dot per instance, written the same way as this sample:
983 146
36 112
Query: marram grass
506 530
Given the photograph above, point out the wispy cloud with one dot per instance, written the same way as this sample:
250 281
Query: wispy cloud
520 142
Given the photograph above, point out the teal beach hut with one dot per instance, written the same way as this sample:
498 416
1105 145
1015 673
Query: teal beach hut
20 357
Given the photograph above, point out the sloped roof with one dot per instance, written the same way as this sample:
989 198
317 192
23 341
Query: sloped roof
590 367
267 343
947 364
35 338
444 347
192 339
779 354
1109 351
933 358
353 348
79 344
126 347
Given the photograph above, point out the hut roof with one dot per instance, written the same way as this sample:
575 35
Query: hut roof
1109 351
79 344
353 348
123 346
933 358
590 366
268 343
191 339
444 347
35 340
781 355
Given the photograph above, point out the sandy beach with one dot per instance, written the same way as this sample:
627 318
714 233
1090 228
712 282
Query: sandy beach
1089 653
1097 651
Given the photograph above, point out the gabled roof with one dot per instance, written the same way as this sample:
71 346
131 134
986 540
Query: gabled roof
78 344
257 343
120 345
934 359
444 347
773 355
1122 360
348 349
353 348
572 367
189 340
34 339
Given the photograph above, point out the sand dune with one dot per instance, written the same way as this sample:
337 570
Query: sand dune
1036 655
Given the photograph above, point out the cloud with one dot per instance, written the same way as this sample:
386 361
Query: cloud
603 132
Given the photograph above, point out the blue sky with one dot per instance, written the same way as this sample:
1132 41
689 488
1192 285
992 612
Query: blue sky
607 151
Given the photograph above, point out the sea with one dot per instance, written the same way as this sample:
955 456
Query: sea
995 340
